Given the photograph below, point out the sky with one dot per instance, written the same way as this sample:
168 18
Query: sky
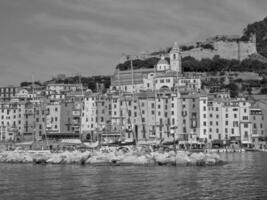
42 38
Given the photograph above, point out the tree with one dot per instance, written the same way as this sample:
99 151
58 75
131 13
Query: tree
234 90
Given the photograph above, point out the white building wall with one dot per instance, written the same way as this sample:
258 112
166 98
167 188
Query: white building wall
203 111
88 121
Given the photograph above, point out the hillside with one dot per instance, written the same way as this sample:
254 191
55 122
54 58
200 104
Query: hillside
195 62
260 28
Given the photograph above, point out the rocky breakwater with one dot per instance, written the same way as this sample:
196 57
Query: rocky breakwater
115 156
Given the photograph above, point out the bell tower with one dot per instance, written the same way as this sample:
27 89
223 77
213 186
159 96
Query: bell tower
175 58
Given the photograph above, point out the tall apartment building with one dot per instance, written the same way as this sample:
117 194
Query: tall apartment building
34 121
224 120
88 120
59 120
257 127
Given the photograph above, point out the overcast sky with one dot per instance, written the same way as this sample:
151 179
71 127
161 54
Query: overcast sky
42 38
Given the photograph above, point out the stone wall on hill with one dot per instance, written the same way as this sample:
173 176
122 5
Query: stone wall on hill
228 49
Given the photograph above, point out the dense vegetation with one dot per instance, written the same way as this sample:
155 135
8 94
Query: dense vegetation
260 28
88 82
138 64
25 83
216 64
190 64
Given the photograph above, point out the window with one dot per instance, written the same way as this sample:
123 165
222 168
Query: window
204 115
210 123
245 117
204 123
226 115
233 131
226 123
204 108
235 115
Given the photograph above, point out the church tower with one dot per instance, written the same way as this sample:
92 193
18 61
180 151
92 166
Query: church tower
175 58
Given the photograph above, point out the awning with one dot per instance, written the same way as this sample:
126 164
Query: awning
246 142
71 141
24 143
91 145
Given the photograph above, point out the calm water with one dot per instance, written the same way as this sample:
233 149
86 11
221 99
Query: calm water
245 177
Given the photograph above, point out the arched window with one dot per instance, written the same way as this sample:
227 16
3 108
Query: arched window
174 56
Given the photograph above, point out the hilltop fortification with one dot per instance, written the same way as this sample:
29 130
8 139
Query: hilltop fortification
227 47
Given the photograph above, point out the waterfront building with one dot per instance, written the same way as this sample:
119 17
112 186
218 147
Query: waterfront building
188 116
257 128
59 120
103 114
7 93
34 121
89 115
224 120
12 119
